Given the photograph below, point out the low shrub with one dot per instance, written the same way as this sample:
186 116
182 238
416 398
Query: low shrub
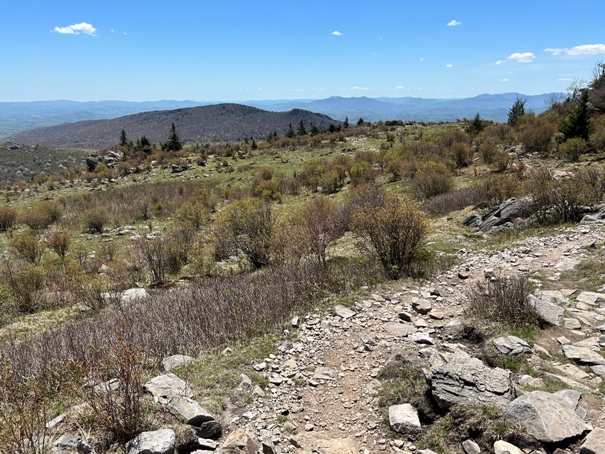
504 300
95 219
572 149
8 218
431 179
393 232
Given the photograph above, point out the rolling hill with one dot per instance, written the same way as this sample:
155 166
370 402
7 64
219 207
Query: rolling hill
222 122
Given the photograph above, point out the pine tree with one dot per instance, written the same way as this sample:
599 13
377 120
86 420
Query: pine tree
174 143
516 112
123 138
301 129
577 124
290 133
346 123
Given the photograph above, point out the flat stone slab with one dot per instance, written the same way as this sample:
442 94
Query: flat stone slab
166 387
583 355
547 311
421 306
325 373
404 419
189 411
546 416
344 312
591 298
155 442
399 329
174 361
511 345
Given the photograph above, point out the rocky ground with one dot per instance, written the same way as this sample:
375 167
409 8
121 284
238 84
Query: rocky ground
324 387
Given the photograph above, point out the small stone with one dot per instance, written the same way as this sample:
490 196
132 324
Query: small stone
470 447
502 447
594 442
421 306
309 427
343 312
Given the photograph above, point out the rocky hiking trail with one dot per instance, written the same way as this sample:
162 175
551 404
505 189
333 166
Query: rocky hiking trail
323 382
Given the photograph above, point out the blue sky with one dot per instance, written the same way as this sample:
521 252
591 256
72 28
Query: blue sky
223 50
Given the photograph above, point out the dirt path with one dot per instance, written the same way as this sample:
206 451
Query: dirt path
323 396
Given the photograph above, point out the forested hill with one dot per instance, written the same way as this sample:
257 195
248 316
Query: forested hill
222 122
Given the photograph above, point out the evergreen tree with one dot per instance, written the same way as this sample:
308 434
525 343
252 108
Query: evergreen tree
174 143
360 121
346 123
290 133
516 112
577 124
475 125
123 138
301 129
314 130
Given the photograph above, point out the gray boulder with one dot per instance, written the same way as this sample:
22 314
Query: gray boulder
399 329
69 443
583 355
343 311
404 419
499 216
189 411
594 442
165 388
511 345
547 311
549 418
155 442
458 378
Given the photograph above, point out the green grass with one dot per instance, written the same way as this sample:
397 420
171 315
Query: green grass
215 375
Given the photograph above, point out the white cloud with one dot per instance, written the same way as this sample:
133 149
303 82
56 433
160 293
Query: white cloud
499 62
336 33
584 49
564 79
522 57
554 50
76 29
360 88
504 80
449 65
453 23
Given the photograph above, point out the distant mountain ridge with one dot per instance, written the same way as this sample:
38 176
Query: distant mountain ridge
21 116
217 122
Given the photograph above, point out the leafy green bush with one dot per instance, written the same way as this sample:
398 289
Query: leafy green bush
95 219
573 148
27 245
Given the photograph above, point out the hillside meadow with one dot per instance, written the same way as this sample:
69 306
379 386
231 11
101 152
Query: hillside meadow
230 240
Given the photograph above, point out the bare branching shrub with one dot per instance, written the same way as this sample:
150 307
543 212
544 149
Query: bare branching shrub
8 218
59 242
27 245
500 187
25 282
504 300
36 218
433 178
488 149
95 219
193 213
181 240
560 200
317 225
95 291
24 410
154 254
597 135
116 388
536 133
452 201
246 226
461 153
394 232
